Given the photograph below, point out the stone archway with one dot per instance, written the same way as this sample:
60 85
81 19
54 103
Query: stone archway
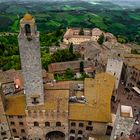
55 135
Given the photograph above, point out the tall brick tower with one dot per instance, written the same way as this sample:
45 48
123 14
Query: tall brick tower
29 47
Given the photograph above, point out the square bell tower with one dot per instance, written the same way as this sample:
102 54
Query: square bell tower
29 46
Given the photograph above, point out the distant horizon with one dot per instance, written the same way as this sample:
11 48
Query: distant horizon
125 4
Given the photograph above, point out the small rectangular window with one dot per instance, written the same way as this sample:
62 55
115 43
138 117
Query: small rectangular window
12 123
3 133
35 101
20 123
81 124
22 131
10 116
90 123
73 124
89 128
19 117
14 130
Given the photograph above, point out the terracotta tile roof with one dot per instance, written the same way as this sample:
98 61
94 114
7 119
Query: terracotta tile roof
56 100
15 105
7 76
98 94
74 33
132 60
11 75
62 66
96 32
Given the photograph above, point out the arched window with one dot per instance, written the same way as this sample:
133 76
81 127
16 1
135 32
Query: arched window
81 124
58 123
22 131
72 131
36 124
14 130
72 137
80 132
27 29
73 124
47 123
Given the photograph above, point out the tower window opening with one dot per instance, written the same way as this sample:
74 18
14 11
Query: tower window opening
35 101
27 29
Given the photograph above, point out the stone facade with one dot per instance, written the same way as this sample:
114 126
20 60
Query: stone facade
72 35
4 126
83 129
48 122
39 113
17 126
124 122
31 62
131 71
132 76
114 66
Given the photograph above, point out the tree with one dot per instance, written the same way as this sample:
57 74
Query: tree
81 32
62 56
81 67
101 39
46 60
84 75
122 39
71 48
69 74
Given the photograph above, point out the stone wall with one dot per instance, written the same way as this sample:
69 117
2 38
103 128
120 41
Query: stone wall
31 68
19 124
114 66
43 117
4 127
121 125
88 128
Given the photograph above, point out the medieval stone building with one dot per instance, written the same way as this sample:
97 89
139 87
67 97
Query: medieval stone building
55 113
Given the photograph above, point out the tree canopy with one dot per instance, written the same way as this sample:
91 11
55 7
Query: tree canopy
101 39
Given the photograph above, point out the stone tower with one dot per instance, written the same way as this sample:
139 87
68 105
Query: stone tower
29 47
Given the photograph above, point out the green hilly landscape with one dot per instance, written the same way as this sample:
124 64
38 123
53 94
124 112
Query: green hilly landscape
51 16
